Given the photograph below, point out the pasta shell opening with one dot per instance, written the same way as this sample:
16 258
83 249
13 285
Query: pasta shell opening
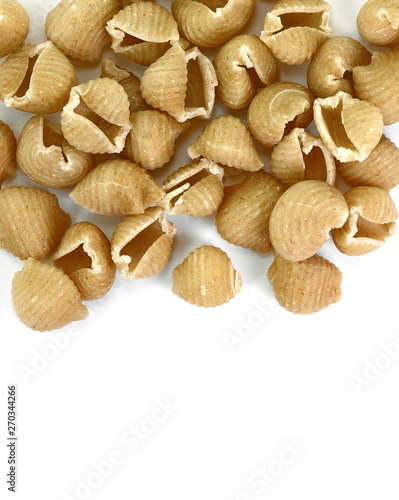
25 84
368 229
313 20
336 129
75 260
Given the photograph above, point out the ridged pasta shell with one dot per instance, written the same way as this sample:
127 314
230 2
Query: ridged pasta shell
243 65
350 128
143 32
226 140
84 255
206 278
243 217
182 83
8 147
14 26
212 22
142 244
303 216
96 118
276 106
305 287
77 27
117 187
45 298
331 68
36 79
46 157
151 142
301 156
372 213
378 22
31 222
195 189
378 83
295 29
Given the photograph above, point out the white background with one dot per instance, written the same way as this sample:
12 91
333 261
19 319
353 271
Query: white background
289 381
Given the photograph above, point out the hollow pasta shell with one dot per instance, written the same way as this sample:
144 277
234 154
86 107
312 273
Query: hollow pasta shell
206 278
226 140
36 79
117 187
195 189
378 22
96 118
372 213
14 26
77 27
31 222
277 106
243 217
295 29
182 83
142 244
303 216
305 287
84 255
212 22
45 298
8 147
350 128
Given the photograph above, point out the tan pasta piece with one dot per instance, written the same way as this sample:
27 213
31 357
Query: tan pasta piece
208 23
372 213
295 29
143 32
277 109
243 65
77 27
36 79
14 26
45 298
301 156
305 287
226 140
97 118
243 217
142 244
303 216
350 128
182 83
117 187
378 22
8 147
331 68
206 278
31 222
84 255
195 189
46 157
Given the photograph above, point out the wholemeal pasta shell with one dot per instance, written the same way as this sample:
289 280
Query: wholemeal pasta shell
8 147
378 22
14 26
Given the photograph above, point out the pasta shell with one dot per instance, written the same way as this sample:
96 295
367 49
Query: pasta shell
14 26
142 244
331 68
77 27
372 213
301 156
31 222
8 147
350 128
195 189
46 157
84 255
182 83
206 278
277 109
96 118
295 29
227 140
243 218
45 298
303 216
117 187
36 79
212 22
378 22
305 287
143 32
243 65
